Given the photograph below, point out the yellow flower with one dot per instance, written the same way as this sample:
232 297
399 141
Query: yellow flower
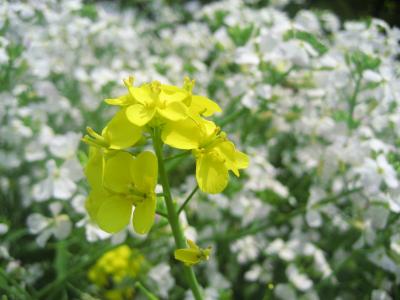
171 103
118 134
113 267
215 154
119 183
192 255
156 100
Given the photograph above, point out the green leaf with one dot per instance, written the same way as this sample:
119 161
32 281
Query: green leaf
89 11
362 61
240 35
217 20
307 37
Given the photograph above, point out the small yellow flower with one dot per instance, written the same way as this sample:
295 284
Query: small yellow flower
156 100
192 255
215 154
112 268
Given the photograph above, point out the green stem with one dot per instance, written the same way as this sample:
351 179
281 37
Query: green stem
183 154
353 102
145 291
188 199
173 215
162 214
231 117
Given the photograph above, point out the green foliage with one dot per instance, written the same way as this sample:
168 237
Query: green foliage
307 37
362 61
240 34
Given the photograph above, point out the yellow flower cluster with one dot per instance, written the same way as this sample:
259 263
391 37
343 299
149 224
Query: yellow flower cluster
119 180
112 268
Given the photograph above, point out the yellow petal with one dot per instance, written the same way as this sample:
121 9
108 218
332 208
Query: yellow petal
142 94
211 173
139 114
184 134
192 244
120 133
121 101
117 175
144 214
204 106
144 171
169 97
174 111
169 89
188 256
234 159
208 128
227 151
242 160
114 214
94 168
93 202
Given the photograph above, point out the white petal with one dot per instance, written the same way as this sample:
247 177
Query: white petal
64 146
36 223
42 239
72 169
64 188
313 218
42 190
78 203
55 208
63 227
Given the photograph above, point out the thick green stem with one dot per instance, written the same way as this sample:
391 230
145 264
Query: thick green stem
173 215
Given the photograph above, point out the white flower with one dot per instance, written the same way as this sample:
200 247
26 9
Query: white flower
161 276
372 76
374 172
92 231
65 146
246 56
380 295
60 182
59 225
285 292
247 249
378 215
300 281
3 228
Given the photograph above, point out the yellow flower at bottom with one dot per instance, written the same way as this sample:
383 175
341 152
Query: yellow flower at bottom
113 268
192 255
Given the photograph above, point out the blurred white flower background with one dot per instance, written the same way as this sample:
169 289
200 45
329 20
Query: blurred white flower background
314 101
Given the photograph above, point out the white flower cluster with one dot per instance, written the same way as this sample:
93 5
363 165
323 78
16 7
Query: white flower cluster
315 103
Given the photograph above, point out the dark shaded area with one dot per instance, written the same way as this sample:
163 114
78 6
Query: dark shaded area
388 10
